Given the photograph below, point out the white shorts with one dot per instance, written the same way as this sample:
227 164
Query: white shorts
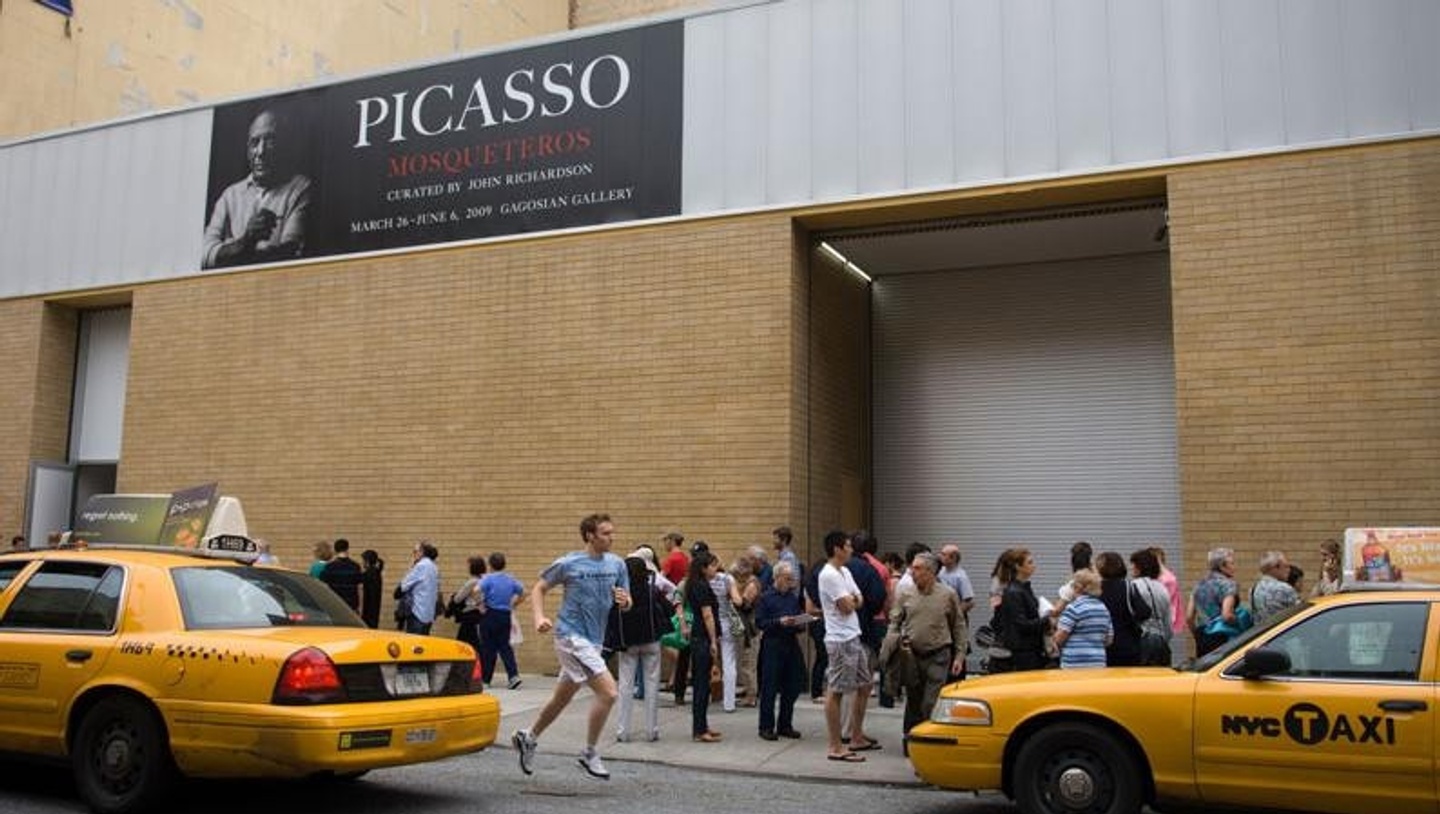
580 660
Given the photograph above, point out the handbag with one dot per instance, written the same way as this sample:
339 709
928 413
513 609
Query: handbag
1154 647
402 606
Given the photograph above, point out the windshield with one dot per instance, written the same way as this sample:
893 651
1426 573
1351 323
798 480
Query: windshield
228 597
1205 662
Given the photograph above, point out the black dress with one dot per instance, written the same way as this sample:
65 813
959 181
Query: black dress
370 582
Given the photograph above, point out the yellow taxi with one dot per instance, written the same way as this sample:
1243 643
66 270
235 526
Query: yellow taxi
138 665
1328 707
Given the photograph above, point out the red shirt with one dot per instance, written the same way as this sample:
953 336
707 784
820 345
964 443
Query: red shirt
675 565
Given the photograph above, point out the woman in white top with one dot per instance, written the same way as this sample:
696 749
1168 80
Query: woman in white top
727 591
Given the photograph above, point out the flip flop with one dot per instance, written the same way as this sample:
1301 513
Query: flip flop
847 757
865 746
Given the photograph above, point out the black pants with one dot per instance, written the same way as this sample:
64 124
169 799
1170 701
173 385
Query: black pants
682 673
701 662
782 673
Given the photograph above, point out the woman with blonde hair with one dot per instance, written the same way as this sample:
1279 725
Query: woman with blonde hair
1084 629
324 553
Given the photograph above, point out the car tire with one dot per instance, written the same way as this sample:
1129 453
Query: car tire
121 757
1075 768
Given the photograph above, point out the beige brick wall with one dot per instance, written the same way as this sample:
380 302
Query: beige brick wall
584 13
488 397
37 346
122 58
1307 347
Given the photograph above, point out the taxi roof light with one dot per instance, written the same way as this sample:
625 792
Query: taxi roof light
308 677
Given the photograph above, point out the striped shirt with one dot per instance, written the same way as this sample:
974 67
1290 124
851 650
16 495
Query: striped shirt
1088 622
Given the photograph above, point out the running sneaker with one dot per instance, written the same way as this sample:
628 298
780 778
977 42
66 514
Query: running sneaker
590 762
525 744
515 683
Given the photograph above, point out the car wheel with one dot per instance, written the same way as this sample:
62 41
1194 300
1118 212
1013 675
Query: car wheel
121 759
1076 768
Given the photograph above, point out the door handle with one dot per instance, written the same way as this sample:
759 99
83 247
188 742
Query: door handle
78 655
1404 706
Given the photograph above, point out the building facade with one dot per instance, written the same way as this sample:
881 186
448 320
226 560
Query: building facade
994 272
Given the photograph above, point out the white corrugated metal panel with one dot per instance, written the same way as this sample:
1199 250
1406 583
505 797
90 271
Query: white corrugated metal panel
789 117
929 103
1254 107
1311 71
109 206
794 101
1139 130
747 45
1026 404
100 373
703 186
1082 93
979 92
920 94
882 97
1423 60
834 83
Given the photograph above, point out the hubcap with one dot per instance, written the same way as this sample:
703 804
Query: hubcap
1076 787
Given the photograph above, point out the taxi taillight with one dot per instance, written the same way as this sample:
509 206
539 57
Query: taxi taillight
308 677
477 676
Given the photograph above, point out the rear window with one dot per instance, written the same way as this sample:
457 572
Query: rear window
228 597
64 595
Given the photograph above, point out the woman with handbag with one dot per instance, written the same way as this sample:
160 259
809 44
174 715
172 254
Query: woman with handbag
1154 631
467 606
1116 593
1214 602
635 634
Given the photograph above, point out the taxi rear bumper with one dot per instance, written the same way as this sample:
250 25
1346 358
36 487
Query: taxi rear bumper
234 740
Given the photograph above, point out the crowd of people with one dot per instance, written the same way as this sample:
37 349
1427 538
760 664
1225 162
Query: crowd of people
893 626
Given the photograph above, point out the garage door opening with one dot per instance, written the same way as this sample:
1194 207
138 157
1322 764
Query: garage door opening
1022 384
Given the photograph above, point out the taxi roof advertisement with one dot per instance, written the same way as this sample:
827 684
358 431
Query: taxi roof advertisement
1393 554
566 134
177 519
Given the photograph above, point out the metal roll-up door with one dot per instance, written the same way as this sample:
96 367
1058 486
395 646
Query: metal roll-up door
1026 404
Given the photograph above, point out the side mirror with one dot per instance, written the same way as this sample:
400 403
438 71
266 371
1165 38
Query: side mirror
1263 661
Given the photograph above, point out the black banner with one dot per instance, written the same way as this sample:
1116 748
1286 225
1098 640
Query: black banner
569 134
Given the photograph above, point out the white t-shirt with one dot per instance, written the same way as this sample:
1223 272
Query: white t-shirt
835 583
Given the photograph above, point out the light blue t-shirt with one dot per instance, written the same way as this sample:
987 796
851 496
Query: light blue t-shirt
1088 621
589 592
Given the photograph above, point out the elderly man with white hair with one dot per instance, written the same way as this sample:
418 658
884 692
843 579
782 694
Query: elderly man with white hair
928 628
1273 592
781 616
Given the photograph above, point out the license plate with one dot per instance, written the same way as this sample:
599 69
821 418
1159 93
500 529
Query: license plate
426 735
412 681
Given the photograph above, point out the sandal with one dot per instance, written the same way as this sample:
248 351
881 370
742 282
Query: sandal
708 737
847 757
867 745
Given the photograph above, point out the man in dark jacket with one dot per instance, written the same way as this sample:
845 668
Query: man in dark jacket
780 617
343 575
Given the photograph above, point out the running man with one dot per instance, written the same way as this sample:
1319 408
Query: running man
594 581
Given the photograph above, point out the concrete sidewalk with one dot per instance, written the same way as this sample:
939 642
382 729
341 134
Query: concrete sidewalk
741 751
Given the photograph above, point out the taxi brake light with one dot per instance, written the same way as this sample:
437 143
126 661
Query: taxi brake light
308 677
477 676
